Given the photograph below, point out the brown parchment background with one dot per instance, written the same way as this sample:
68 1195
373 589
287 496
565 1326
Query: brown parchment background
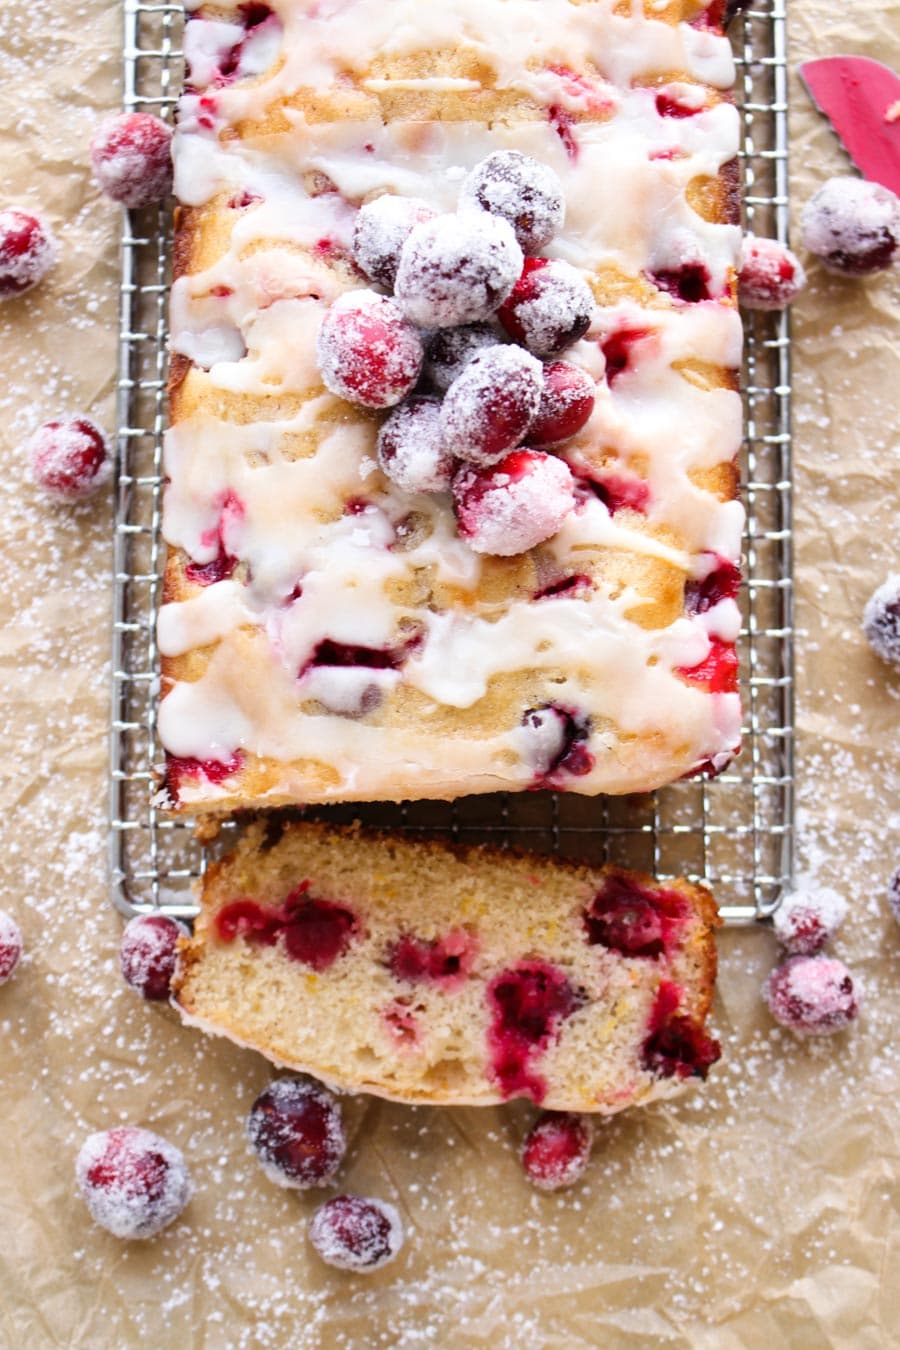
760 1212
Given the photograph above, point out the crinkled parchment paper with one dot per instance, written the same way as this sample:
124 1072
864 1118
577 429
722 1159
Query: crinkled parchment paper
759 1212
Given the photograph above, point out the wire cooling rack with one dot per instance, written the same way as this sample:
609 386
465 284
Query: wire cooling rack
736 832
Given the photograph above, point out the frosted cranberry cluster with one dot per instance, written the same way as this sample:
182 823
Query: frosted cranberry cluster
473 413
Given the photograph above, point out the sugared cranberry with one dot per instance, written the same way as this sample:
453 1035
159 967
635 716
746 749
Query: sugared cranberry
528 1003
689 283
852 226
524 192
69 460
368 352
676 1046
718 671
457 269
557 1150
315 932
516 505
807 919
147 954
297 1132
618 351
131 156
722 582
411 448
134 1183
629 918
893 894
489 408
557 745
28 251
12 945
446 961
381 229
567 401
812 995
183 769
451 349
881 621
551 306
770 275
354 1233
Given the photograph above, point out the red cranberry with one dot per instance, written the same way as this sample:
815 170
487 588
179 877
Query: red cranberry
524 192
382 228
131 156
567 401
489 408
562 123
147 954
331 653
528 1003
669 106
881 621
567 586
368 352
315 932
807 919
69 460
297 1132
852 226
557 741
688 283
629 918
893 894
516 505
621 492
28 251
557 1150
12 945
446 961
770 276
812 995
134 1183
618 351
551 306
411 449
353 1233
676 1046
722 582
457 269
180 770
718 671
451 349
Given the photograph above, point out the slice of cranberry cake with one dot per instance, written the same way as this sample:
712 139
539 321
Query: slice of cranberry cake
427 973
451 500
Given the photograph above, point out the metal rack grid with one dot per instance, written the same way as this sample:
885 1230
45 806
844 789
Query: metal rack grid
736 832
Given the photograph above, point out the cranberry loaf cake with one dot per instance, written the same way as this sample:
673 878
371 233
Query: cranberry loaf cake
426 973
451 500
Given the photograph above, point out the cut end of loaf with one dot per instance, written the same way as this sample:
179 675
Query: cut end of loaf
426 973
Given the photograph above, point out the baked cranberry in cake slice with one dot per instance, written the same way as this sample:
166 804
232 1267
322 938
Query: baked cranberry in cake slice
427 973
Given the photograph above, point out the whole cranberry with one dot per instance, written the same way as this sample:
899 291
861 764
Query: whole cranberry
514 506
490 407
551 306
368 352
147 954
12 945
852 226
457 269
450 350
812 995
381 229
28 251
557 1150
131 155
133 1182
520 189
297 1132
770 275
808 918
411 448
881 621
353 1233
69 460
567 401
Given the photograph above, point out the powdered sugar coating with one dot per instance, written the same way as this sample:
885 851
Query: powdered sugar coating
770 275
12 945
557 1149
516 505
808 918
522 191
381 229
812 995
367 350
567 401
852 226
296 1130
411 448
131 156
893 893
147 954
69 460
457 269
134 1182
450 350
355 1233
551 306
28 251
489 408
881 620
